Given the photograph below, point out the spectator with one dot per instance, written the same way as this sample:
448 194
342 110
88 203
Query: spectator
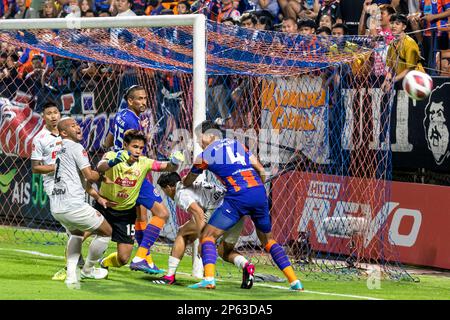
270 6
124 8
85 6
24 11
248 21
326 21
323 31
403 54
289 25
307 27
8 9
227 10
339 30
435 15
331 8
379 23
264 23
103 6
155 7
74 9
229 22
65 8
183 7
10 77
305 9
3 57
49 10
104 13
210 8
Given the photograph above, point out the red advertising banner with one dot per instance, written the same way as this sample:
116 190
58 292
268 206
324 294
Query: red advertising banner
412 221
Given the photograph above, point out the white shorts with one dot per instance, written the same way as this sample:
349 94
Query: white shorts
84 219
232 235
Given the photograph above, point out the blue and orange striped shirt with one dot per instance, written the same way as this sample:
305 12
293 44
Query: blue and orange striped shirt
434 7
229 160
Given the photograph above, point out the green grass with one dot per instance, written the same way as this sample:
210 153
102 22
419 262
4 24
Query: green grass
24 275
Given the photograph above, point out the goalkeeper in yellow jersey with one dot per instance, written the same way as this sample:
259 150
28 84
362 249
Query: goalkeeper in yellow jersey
125 172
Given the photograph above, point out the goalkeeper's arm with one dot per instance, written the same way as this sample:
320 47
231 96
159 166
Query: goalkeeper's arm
175 159
106 164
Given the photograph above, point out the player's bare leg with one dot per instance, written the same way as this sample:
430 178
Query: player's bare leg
102 236
187 234
226 252
280 258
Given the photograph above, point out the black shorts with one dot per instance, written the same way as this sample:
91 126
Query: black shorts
122 223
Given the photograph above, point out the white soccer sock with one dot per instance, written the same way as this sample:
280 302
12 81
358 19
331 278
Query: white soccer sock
240 261
173 265
96 249
73 254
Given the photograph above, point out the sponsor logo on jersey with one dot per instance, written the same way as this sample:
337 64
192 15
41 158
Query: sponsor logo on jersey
85 153
125 182
58 192
122 194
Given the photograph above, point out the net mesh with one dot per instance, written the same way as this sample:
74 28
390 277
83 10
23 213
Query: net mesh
311 107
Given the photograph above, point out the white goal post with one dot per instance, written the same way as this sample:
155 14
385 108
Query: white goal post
198 21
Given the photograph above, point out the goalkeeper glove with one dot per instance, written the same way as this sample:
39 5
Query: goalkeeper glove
176 158
122 156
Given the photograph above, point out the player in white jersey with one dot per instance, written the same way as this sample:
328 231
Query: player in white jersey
45 146
73 173
200 200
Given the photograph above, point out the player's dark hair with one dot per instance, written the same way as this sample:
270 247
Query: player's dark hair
49 104
209 127
131 90
133 134
168 179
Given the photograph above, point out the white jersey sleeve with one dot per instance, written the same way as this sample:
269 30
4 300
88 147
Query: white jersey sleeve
81 157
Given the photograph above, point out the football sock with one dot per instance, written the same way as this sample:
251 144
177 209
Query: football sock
149 259
209 257
73 253
96 249
111 261
139 227
281 260
240 261
173 265
151 233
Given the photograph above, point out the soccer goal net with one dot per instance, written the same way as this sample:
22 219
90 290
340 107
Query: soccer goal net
312 109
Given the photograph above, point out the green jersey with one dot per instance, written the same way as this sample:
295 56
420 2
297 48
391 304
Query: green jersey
127 181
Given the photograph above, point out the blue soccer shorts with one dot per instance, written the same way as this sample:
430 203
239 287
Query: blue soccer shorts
148 195
252 202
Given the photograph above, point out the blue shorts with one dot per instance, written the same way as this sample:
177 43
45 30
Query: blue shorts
148 195
252 202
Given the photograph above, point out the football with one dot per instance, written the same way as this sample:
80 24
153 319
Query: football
418 85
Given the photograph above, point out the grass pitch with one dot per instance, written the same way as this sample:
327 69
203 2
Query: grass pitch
26 270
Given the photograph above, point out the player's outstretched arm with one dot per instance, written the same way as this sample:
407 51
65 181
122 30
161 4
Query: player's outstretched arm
258 167
38 167
175 159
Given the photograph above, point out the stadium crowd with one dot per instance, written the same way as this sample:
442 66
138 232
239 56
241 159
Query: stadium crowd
426 19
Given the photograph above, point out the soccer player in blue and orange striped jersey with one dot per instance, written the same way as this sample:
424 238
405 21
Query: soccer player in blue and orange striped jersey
243 177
